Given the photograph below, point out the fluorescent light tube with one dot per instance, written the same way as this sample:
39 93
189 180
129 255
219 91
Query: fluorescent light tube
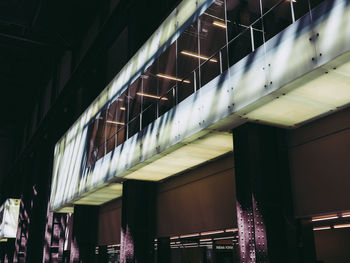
219 24
116 122
322 218
151 96
172 78
321 228
191 54
347 214
342 226
190 235
212 232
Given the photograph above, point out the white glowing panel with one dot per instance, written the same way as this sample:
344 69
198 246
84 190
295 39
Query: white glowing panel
101 195
322 94
188 156
9 212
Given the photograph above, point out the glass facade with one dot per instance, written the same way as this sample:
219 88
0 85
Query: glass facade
224 34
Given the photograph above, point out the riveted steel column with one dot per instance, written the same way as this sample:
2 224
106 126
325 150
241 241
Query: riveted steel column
138 221
84 236
267 228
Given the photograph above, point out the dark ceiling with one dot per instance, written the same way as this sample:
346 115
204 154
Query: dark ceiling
33 34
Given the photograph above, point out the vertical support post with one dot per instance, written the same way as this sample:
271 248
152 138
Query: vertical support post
266 223
199 54
141 110
127 115
220 57
138 221
194 81
292 10
252 38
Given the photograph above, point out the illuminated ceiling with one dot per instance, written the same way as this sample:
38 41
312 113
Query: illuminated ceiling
320 92
180 159
189 155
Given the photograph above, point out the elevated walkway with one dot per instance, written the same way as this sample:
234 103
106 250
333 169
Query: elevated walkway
301 74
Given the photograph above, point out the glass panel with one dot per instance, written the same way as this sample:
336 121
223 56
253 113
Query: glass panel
90 144
257 32
166 102
134 126
166 72
224 58
209 70
111 143
278 18
240 47
301 7
315 3
160 78
116 119
97 137
100 151
240 15
149 114
187 86
212 38
121 135
135 98
187 60
116 114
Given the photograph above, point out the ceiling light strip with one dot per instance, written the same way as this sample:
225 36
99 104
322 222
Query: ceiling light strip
151 96
190 235
321 228
347 214
191 54
172 78
219 24
116 122
231 230
212 232
342 226
224 238
322 218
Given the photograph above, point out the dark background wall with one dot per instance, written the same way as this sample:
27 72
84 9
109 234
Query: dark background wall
319 163
200 200
109 223
332 246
